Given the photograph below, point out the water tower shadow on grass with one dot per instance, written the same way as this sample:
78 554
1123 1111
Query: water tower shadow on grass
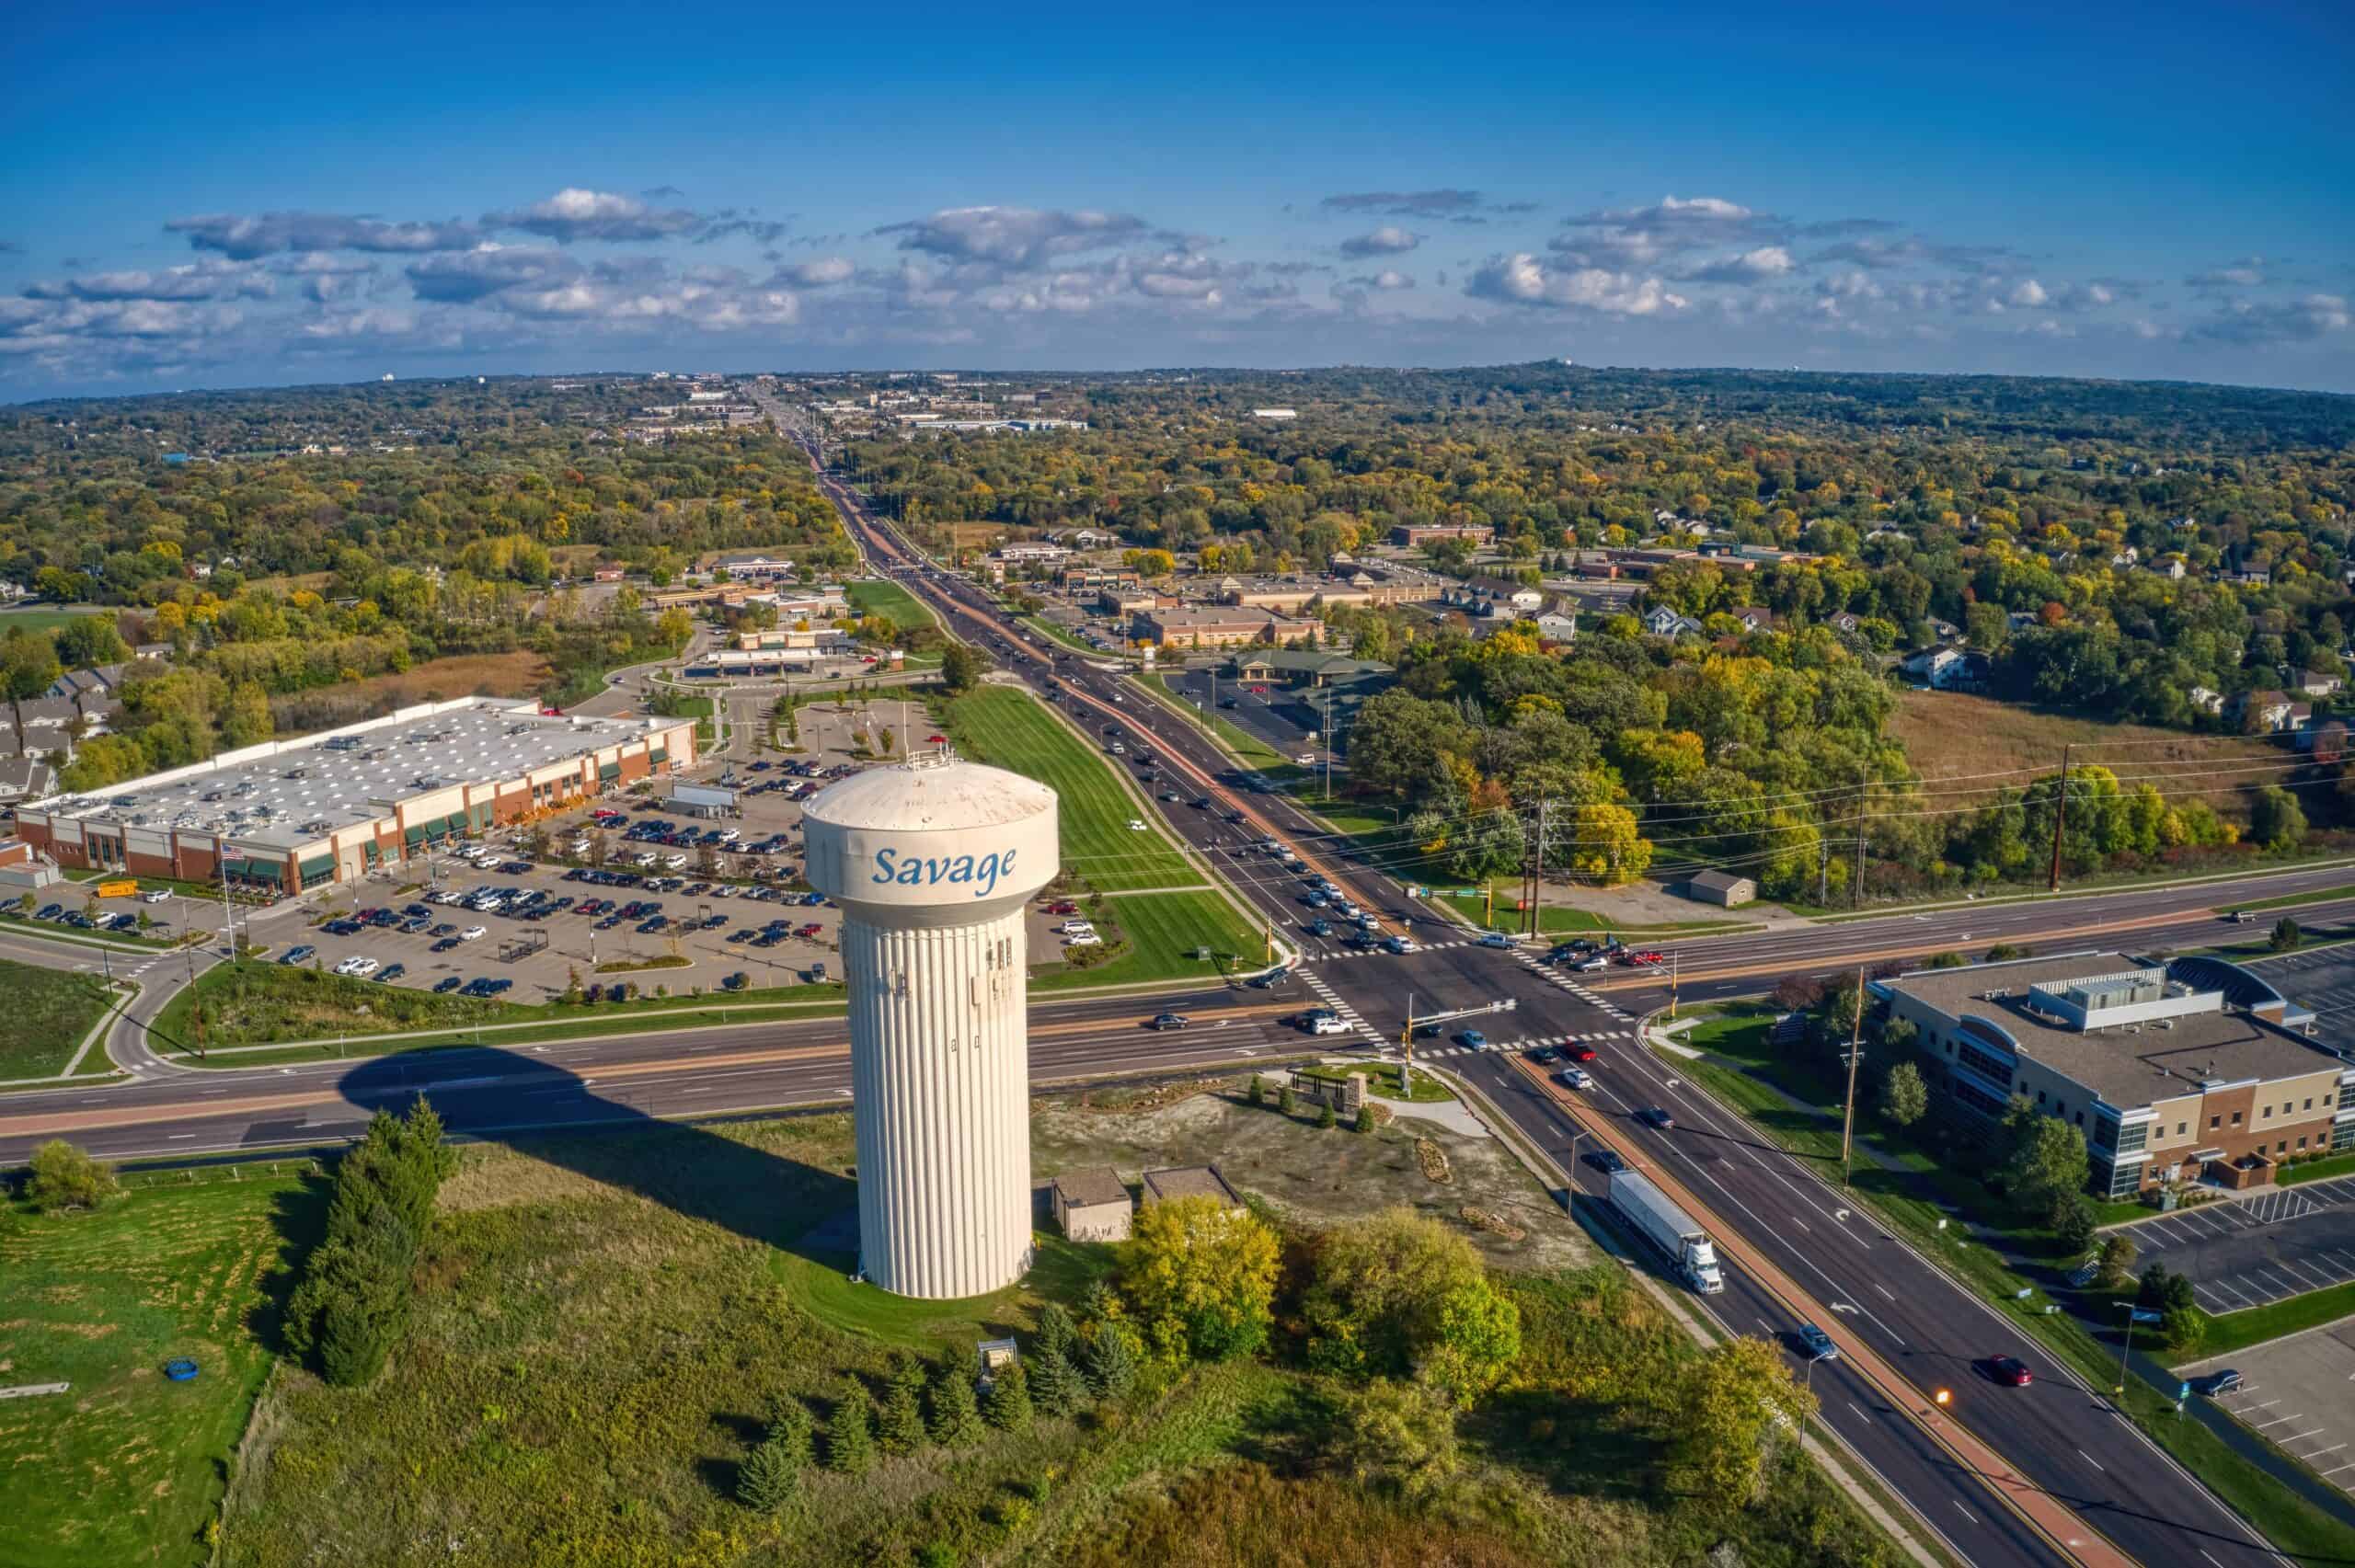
615 1137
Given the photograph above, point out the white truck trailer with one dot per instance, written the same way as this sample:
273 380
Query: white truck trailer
1687 1247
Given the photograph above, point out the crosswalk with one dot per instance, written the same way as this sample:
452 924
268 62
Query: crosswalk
1588 1037
1569 983
1378 953
1332 999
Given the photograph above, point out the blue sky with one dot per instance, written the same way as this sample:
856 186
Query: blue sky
267 193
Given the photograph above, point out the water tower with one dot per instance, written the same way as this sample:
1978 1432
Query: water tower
932 861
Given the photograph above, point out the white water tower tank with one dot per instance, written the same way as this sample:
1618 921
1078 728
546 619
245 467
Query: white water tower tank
932 861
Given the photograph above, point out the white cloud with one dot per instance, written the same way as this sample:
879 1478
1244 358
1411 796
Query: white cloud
577 213
1387 240
2029 294
271 233
194 280
822 273
1521 279
477 274
1757 266
1013 238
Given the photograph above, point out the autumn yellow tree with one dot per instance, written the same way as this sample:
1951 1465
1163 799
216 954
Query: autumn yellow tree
1201 1278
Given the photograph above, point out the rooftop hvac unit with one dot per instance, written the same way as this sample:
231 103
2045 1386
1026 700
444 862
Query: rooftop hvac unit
295 774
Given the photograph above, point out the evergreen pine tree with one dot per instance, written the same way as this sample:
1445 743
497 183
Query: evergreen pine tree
1325 1116
1111 1360
791 1430
1055 1385
1365 1120
956 1417
1258 1090
770 1478
1285 1099
850 1435
900 1428
1008 1409
1055 1330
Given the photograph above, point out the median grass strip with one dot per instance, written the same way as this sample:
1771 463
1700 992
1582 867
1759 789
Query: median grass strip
1556 917
1382 1078
51 1012
1913 1195
1162 932
128 1466
2292 901
1010 729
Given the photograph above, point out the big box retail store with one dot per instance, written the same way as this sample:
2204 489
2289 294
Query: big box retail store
332 806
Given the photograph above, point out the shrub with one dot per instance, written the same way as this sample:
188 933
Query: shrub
67 1178
1112 1353
1258 1092
1364 1122
1325 1118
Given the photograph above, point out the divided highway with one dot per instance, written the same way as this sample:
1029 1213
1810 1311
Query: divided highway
2120 1498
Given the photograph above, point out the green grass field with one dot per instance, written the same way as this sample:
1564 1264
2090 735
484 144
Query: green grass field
1011 729
879 596
46 620
1382 1078
128 1467
1571 922
1163 930
50 1011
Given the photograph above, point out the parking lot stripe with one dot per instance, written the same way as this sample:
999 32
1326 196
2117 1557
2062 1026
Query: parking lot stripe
2293 1415
2301 1437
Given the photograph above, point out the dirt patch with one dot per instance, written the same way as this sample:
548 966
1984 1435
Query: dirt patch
1951 734
1320 1176
516 675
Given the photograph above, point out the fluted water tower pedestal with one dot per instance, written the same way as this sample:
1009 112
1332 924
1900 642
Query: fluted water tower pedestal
933 861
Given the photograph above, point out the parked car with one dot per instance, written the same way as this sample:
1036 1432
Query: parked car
2216 1384
472 933
446 983
297 954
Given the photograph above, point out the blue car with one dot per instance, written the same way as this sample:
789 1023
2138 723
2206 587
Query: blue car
1472 1039
1817 1344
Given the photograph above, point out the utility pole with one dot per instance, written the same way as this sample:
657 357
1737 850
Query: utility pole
1857 892
2059 817
1855 1051
1823 872
1672 968
1534 893
1406 1051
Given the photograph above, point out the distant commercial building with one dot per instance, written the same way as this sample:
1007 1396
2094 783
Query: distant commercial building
1275 414
330 808
1191 628
1411 535
1093 1205
2194 1070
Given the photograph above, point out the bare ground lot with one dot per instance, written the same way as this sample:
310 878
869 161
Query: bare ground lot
517 674
1952 734
1310 1175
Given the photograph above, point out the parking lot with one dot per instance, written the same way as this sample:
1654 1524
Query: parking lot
2245 1252
2323 980
1268 709
2298 1392
645 895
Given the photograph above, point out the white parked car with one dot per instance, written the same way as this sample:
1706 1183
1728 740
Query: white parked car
472 933
674 863
155 894
1083 939
1306 759
1075 927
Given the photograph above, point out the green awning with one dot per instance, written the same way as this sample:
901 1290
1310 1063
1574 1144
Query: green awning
412 835
259 870
316 866
660 754
609 770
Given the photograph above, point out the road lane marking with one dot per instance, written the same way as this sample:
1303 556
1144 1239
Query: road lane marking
2093 1462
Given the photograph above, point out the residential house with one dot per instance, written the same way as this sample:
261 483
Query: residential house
1662 621
25 778
1754 618
2274 711
2205 700
1940 668
1495 596
1558 625
2315 684
1845 622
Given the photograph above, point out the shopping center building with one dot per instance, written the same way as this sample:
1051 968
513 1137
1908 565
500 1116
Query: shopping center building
332 806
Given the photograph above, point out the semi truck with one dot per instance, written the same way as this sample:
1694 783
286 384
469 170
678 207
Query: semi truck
1651 1215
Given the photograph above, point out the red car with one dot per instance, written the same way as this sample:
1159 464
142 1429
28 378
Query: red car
1063 907
2010 1370
1581 1053
1646 959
